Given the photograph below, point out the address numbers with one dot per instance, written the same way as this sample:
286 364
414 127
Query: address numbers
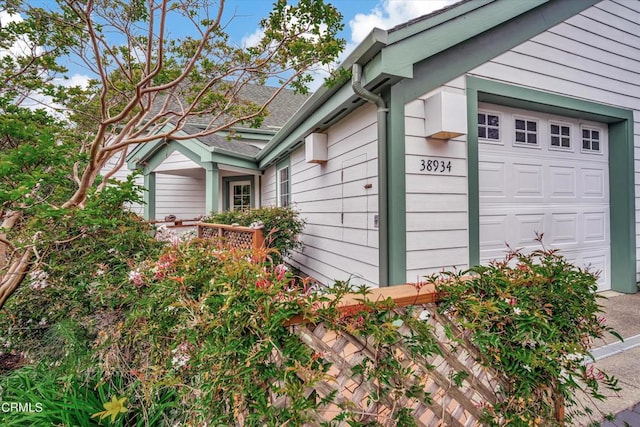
436 165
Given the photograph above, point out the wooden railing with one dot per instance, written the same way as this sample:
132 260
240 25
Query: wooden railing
233 236
176 223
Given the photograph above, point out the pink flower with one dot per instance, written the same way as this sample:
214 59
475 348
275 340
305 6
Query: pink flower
136 277
511 301
281 271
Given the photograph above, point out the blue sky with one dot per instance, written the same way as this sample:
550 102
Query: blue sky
243 16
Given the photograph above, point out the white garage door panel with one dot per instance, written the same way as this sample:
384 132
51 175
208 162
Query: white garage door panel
528 188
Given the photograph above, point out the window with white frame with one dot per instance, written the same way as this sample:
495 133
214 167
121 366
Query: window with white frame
526 131
591 141
488 126
284 198
560 135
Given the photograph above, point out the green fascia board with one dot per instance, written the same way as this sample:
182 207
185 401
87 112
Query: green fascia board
621 165
322 103
154 153
411 50
233 159
284 142
419 25
164 151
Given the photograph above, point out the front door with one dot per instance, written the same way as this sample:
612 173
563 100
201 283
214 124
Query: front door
239 195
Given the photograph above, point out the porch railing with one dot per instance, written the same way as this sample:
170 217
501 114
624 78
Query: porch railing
233 236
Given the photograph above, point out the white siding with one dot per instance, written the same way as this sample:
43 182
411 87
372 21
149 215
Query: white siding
269 187
437 207
182 196
594 55
340 240
121 175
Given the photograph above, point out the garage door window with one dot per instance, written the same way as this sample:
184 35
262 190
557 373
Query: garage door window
591 140
489 126
526 132
560 136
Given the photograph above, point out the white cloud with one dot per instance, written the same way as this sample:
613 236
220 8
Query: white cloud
385 15
390 13
252 40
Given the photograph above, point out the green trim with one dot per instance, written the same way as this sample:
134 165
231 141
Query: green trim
621 165
473 175
163 152
383 193
396 187
149 196
284 163
444 66
225 189
212 188
231 159
290 136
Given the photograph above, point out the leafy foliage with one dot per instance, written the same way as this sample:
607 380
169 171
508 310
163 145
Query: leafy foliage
85 256
534 317
281 226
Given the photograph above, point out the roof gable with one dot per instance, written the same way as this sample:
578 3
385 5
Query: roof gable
390 56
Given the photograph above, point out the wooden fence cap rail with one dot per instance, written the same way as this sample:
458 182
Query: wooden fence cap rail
402 295
227 226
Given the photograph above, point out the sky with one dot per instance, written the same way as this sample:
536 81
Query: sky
359 17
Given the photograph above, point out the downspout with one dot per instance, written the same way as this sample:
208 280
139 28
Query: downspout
383 229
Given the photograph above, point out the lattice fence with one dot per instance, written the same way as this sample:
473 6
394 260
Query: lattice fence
447 403
231 235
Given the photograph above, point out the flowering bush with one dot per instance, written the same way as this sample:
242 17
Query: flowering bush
534 317
205 323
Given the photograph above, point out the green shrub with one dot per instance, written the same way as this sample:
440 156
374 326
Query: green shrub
281 226
76 287
534 317
208 324
205 324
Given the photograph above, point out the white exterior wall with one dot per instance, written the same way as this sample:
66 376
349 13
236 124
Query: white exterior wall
594 55
121 175
180 188
182 196
437 207
268 188
340 239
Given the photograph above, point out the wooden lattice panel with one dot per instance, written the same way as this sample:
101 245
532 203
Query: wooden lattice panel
232 236
237 239
448 404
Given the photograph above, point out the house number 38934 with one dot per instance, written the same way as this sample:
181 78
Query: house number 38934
435 165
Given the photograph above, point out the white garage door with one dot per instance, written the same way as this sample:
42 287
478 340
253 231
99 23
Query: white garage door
546 174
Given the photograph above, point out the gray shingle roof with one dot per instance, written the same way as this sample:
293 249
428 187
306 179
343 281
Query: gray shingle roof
278 112
220 141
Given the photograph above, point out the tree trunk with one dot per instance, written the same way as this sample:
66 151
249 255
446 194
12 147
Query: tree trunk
15 275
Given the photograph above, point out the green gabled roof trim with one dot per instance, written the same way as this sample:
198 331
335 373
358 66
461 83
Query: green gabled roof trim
152 154
621 165
399 53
